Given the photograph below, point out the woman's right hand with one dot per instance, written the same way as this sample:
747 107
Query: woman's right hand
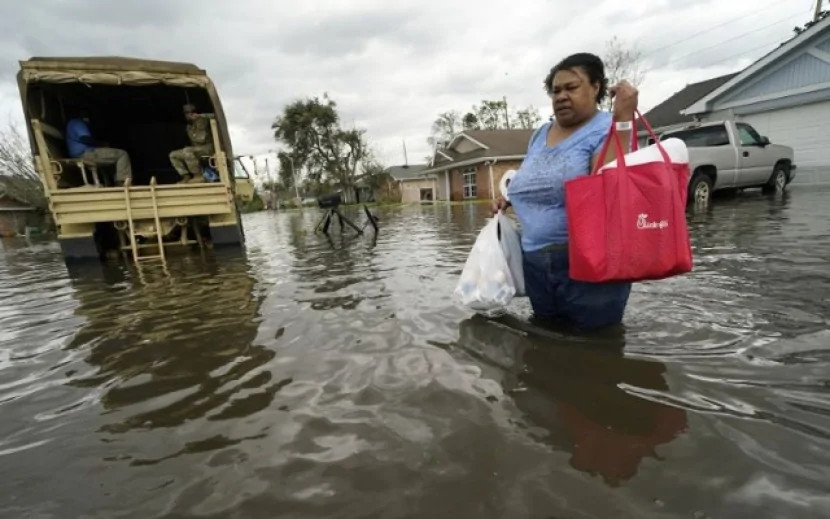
499 204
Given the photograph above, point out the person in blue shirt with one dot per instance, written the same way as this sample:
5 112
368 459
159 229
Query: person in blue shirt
82 145
564 148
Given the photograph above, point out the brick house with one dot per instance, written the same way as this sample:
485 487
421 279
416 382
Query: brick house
470 167
14 216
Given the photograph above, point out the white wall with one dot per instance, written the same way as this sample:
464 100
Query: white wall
442 186
411 189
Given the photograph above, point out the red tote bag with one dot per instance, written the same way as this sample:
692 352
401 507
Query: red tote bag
628 223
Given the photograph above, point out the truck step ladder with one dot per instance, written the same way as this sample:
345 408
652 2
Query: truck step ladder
131 225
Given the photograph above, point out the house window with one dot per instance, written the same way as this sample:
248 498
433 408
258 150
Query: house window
470 190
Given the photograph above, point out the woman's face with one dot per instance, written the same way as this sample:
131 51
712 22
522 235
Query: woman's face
574 96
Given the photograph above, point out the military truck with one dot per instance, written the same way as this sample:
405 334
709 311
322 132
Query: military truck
135 105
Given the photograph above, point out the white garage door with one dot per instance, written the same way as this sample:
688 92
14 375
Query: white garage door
805 128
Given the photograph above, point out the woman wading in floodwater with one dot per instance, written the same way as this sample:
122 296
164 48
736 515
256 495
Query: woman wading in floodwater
560 150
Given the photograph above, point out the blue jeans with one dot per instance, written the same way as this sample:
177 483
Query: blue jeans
554 296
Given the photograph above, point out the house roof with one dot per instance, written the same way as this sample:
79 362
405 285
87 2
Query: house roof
10 203
407 172
702 105
503 142
668 113
488 145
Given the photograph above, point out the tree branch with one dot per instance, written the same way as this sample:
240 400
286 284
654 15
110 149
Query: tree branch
18 178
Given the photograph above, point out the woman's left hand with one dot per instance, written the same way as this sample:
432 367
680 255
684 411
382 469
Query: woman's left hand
625 100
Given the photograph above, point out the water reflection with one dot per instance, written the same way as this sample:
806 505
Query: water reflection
768 213
176 348
575 395
332 267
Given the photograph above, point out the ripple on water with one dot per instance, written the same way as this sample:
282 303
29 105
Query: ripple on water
337 377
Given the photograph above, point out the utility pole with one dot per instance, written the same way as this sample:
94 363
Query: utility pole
817 13
267 170
271 183
256 172
405 159
273 180
506 117
294 176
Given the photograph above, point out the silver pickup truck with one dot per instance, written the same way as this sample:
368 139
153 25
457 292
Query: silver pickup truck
732 155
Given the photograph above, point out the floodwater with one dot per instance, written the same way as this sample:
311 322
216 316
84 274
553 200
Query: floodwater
317 378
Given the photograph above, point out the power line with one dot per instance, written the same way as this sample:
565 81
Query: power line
733 20
739 36
774 44
769 45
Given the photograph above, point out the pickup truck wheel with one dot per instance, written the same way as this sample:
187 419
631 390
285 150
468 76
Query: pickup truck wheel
700 189
778 180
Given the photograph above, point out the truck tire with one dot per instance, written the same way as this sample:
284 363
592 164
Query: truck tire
700 189
778 180
80 249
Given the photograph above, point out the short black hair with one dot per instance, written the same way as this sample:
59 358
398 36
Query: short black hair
590 63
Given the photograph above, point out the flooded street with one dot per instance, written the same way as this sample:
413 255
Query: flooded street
317 378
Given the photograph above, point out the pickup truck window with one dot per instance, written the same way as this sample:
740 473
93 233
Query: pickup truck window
748 135
699 137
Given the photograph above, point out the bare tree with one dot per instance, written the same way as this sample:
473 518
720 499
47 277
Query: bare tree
491 114
622 61
527 118
18 178
444 127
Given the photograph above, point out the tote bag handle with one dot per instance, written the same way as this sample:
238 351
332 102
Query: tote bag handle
614 135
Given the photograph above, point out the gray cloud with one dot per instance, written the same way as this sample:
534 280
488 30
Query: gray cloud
350 34
92 14
391 66
680 49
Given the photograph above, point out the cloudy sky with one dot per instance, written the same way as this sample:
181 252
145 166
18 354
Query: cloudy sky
392 65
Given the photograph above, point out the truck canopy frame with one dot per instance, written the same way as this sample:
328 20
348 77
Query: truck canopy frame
113 71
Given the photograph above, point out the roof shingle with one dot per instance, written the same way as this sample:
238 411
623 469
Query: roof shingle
500 143
407 172
668 113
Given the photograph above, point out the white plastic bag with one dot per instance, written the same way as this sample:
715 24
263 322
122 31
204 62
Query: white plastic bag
493 274
511 246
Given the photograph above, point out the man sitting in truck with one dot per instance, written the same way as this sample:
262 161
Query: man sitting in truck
82 145
186 160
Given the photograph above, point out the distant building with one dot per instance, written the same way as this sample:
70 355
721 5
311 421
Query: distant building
414 185
15 216
470 167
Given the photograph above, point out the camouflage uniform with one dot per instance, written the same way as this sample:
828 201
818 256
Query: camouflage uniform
186 160
107 156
